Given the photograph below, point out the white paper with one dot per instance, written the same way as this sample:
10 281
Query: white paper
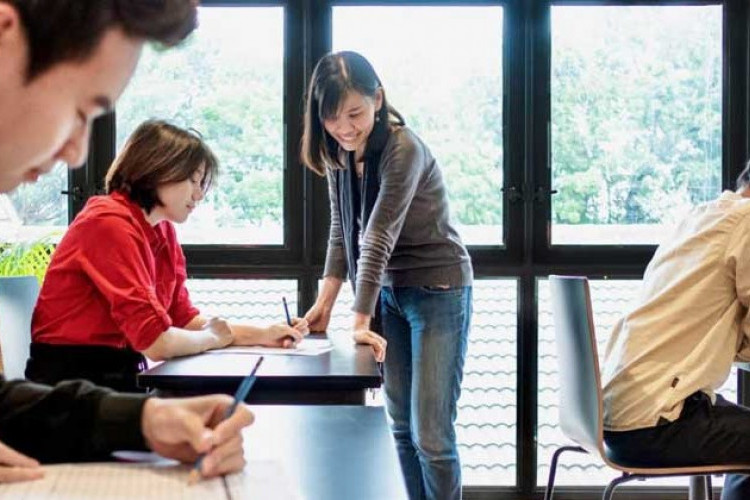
260 480
307 347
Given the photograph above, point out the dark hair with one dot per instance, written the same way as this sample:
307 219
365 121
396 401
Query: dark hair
334 76
159 153
70 30
743 180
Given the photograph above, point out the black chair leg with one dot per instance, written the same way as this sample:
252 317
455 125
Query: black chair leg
609 491
553 468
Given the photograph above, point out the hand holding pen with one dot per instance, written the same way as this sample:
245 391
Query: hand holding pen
299 325
240 396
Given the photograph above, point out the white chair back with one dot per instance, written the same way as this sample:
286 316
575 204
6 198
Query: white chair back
578 362
18 296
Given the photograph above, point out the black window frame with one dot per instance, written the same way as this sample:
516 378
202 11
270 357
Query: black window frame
526 253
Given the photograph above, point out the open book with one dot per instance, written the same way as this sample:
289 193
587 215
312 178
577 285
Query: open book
260 480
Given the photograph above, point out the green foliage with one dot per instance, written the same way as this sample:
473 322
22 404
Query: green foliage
636 114
28 258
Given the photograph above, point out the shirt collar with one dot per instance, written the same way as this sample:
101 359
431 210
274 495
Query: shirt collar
155 234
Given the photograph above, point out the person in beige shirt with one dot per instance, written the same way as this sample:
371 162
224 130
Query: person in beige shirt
669 354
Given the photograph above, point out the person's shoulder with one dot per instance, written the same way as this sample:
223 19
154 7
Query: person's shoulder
730 203
403 136
404 141
105 212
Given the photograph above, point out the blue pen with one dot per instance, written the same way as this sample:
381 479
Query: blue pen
239 397
286 311
288 322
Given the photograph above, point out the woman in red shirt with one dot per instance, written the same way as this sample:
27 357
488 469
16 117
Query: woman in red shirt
115 289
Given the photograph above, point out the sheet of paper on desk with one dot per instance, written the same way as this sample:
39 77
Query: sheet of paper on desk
261 480
308 347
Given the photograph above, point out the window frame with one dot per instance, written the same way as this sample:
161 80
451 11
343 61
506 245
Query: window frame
526 254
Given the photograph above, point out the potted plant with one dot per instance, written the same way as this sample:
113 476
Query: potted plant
26 258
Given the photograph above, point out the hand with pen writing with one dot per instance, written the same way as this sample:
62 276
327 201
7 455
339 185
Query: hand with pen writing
183 429
283 335
16 467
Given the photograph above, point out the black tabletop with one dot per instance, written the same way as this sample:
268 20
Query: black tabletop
347 367
331 453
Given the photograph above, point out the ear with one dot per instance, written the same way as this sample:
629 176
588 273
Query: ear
379 95
10 23
13 45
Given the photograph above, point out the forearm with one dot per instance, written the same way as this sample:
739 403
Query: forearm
73 421
249 335
181 342
361 321
329 292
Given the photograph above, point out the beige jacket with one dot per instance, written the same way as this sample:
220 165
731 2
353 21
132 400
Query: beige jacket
690 321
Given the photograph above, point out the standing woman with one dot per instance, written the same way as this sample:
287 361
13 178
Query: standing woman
391 233
115 289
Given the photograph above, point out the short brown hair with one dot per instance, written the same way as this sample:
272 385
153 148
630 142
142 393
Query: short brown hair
159 153
70 30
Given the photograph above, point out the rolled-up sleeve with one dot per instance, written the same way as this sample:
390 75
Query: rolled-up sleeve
120 265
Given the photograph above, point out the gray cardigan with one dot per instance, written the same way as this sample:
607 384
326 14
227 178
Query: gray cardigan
409 240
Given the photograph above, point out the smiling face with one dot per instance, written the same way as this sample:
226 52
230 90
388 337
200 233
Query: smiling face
48 119
178 199
354 121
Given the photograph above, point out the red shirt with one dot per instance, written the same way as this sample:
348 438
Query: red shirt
114 280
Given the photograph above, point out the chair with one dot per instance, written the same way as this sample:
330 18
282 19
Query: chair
581 409
18 296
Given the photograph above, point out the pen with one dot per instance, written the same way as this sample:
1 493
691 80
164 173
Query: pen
239 397
288 322
286 311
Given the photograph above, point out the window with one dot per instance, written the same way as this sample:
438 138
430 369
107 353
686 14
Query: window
636 119
244 301
36 211
444 75
226 82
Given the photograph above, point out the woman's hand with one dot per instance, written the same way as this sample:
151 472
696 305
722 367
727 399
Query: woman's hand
15 466
283 335
378 343
221 330
318 317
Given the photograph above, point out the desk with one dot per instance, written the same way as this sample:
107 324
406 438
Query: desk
317 452
330 453
341 376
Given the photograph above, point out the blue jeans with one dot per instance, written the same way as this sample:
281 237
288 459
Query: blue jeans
704 434
426 329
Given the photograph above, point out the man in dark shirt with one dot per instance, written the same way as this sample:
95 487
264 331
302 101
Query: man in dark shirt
62 64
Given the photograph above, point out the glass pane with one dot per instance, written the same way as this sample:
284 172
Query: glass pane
610 300
36 211
227 83
636 119
486 424
257 302
444 74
